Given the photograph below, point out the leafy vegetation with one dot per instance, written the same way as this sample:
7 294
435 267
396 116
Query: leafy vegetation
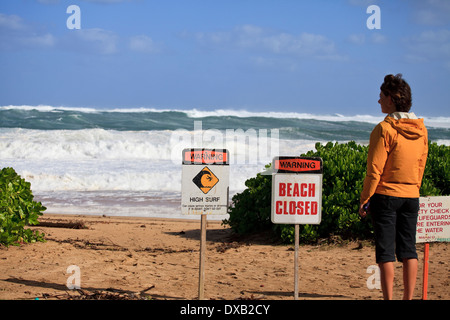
436 179
17 210
344 168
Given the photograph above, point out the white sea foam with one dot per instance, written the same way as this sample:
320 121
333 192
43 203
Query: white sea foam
97 159
437 122
69 169
83 144
99 171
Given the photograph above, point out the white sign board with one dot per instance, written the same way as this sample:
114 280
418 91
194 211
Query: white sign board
205 181
433 223
296 192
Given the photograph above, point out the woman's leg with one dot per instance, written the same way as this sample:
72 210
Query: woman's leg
387 279
406 244
409 277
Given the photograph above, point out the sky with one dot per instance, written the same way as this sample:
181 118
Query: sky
316 56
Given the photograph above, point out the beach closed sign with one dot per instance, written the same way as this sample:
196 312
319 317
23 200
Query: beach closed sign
433 222
205 181
297 190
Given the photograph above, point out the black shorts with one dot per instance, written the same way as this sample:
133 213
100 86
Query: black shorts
394 221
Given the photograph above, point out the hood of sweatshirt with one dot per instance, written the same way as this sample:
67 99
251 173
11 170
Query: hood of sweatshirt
409 128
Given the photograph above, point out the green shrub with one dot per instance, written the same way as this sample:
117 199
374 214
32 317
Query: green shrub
436 178
344 168
250 210
17 210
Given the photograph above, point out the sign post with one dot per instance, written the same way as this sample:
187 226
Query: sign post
205 184
201 271
433 225
297 244
296 196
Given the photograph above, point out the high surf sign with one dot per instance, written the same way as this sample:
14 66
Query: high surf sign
205 181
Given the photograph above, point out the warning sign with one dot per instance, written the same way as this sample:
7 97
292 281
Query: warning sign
433 223
296 165
205 156
205 176
297 190
205 180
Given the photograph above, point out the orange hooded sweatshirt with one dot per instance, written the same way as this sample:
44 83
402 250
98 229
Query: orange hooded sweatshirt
396 160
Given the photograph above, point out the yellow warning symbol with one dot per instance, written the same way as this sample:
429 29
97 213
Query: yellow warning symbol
205 180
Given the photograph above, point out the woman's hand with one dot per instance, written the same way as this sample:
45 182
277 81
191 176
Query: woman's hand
363 210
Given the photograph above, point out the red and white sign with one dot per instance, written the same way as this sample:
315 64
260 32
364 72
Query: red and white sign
205 181
433 223
296 193
205 156
297 165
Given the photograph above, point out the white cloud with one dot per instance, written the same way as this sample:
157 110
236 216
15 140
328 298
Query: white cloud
260 40
431 43
432 12
378 38
362 3
44 40
48 1
94 40
15 34
270 63
144 44
93 1
11 22
106 1
358 39
429 46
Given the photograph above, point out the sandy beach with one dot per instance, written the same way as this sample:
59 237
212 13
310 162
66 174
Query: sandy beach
149 258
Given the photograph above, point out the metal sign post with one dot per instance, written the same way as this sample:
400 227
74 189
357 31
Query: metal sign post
296 197
205 181
297 236
201 275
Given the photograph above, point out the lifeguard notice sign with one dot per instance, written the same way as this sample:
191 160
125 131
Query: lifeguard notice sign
205 181
433 223
297 190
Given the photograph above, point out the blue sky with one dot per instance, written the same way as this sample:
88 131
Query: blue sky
259 55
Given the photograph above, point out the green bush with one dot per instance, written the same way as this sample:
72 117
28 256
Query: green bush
250 210
436 178
344 168
17 210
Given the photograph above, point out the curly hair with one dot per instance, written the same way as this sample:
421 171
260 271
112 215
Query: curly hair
399 91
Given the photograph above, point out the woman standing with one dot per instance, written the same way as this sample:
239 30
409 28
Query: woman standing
396 161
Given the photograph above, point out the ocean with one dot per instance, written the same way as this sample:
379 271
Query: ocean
128 162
